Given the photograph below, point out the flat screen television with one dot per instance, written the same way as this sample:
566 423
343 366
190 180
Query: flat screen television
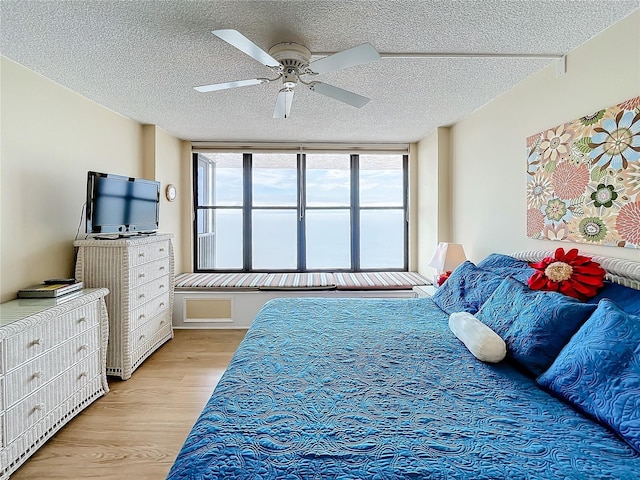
121 205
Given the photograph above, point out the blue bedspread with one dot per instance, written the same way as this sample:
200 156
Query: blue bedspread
381 389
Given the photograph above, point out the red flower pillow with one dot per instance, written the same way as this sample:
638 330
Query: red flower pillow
574 275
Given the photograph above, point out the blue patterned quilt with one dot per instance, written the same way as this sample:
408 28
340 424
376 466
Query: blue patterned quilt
381 389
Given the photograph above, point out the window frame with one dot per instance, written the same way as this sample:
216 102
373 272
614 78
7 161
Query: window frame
354 212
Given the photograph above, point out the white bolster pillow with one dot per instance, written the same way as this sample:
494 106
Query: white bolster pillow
482 342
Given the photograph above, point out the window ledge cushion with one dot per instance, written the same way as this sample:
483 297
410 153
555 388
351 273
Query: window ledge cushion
466 289
534 324
480 340
599 370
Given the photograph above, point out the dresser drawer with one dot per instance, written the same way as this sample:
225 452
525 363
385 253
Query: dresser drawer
140 254
148 310
143 334
149 344
37 372
149 291
43 401
148 271
34 341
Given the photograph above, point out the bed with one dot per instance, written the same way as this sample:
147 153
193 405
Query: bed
382 388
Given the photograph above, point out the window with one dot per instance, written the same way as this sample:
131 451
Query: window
328 211
382 212
300 211
274 211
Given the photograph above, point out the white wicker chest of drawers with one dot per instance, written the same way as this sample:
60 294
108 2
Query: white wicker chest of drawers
52 366
138 271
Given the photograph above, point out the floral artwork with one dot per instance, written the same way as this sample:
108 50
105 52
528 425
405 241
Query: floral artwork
583 179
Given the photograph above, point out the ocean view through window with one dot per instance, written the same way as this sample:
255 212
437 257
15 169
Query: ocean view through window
300 211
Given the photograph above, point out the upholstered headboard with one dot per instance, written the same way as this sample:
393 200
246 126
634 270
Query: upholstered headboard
624 272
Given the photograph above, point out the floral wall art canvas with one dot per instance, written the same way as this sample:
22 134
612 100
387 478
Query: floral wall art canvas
583 179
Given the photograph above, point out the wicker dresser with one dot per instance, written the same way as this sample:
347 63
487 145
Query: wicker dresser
138 272
52 366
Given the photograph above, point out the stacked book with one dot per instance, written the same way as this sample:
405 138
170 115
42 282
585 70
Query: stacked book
50 289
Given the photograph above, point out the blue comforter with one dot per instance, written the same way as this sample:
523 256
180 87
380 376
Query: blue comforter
381 389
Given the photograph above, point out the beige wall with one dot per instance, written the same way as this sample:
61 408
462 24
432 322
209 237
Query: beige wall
50 138
167 160
434 196
488 159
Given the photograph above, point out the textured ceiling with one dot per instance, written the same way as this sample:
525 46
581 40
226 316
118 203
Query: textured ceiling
141 59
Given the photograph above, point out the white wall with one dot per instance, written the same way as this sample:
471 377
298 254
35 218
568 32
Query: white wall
488 159
51 137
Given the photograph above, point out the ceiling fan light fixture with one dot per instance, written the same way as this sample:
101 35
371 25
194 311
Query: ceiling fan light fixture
290 78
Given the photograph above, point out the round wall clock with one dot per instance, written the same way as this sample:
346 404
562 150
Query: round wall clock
171 192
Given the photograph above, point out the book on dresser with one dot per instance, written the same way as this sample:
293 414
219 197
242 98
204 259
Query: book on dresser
49 290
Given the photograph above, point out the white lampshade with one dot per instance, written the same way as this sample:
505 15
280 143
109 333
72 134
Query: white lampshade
447 256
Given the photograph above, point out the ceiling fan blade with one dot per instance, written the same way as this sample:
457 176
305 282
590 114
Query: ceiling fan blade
359 55
339 94
242 43
238 83
283 103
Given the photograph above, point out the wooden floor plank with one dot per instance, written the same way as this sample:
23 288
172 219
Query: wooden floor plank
137 429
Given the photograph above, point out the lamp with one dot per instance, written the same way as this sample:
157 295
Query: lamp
446 258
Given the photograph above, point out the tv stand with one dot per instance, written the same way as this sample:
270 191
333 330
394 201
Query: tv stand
116 236
138 271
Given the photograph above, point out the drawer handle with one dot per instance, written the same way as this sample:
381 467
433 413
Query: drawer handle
83 347
141 275
142 337
142 315
35 342
82 320
162 249
161 286
35 375
141 295
37 408
161 304
141 254
82 374
162 268
162 322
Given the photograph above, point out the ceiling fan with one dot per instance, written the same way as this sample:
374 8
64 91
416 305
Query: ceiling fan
291 63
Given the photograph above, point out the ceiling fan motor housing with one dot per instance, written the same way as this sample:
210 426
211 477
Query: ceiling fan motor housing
294 59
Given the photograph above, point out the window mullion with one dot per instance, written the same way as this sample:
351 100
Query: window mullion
246 211
302 234
405 206
195 209
355 213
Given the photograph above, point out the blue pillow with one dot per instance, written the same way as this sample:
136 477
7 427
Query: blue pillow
599 370
507 266
534 324
626 298
466 289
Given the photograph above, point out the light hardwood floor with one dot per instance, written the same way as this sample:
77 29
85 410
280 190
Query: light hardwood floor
137 429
